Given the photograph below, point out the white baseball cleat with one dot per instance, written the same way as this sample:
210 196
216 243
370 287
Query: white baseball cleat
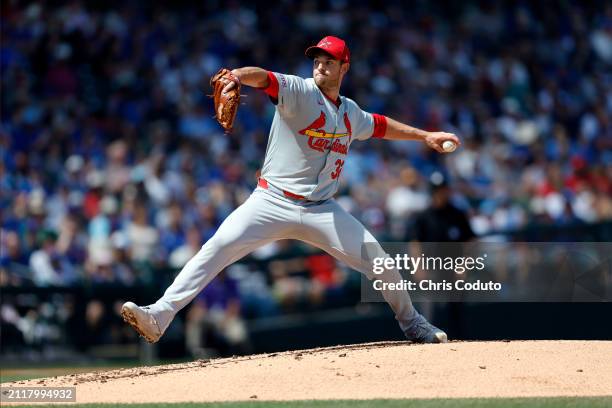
421 331
142 320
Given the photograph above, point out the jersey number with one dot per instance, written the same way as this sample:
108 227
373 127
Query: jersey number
336 173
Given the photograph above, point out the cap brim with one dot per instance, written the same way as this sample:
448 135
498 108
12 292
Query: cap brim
311 52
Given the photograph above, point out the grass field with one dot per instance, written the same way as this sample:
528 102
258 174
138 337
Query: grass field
18 374
14 373
29 374
444 403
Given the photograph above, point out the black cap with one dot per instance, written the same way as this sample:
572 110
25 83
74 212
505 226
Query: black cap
437 181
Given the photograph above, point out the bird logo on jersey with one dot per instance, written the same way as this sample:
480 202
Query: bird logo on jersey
320 140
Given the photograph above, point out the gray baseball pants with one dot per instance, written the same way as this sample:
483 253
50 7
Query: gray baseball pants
266 217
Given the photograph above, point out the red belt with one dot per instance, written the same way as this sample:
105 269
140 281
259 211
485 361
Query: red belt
264 184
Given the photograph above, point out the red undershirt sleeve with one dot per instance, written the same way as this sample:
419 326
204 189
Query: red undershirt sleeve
380 125
272 89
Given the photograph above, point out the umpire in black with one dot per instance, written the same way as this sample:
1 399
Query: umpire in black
442 223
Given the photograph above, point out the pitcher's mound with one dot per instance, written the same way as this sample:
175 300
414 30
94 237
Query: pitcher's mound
366 371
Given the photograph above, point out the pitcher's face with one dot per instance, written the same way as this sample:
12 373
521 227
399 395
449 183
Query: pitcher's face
328 72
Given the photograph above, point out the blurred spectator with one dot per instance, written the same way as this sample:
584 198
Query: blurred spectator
95 331
142 236
13 260
182 254
404 200
172 233
214 319
12 338
49 266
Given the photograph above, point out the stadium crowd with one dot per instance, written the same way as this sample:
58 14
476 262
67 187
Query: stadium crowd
113 165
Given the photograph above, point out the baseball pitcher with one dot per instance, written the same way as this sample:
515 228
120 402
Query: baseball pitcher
311 134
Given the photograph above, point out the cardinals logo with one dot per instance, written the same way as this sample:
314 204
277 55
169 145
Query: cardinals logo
320 140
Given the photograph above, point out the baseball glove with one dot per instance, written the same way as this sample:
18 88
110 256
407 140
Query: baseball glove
226 105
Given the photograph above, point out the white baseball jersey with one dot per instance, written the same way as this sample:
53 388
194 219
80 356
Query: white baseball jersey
311 136
309 141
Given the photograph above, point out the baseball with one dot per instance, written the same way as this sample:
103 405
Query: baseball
449 146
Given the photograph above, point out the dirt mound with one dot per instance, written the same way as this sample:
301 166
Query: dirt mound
365 371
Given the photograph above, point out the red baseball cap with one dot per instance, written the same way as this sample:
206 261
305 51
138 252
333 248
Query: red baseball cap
333 46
